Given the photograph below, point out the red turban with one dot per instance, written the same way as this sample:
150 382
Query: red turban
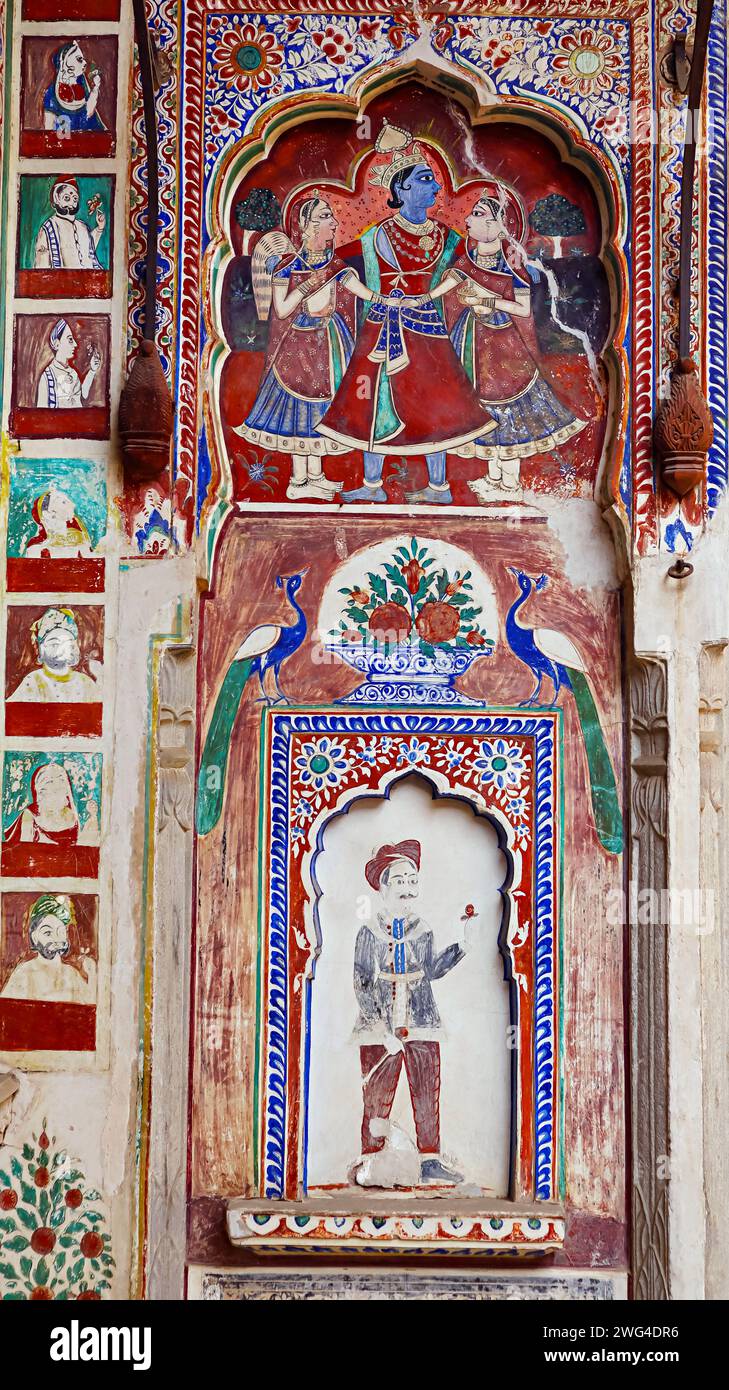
387 855
63 179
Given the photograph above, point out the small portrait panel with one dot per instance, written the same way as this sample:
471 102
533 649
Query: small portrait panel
53 670
56 523
48 972
71 9
65 227
61 376
68 96
51 814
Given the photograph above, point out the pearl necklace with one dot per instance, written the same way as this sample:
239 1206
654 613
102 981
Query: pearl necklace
428 233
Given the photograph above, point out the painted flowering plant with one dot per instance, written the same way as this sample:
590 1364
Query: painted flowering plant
53 1244
412 601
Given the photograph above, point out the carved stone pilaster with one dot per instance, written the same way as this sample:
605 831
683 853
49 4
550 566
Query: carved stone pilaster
714 954
166 1222
649 981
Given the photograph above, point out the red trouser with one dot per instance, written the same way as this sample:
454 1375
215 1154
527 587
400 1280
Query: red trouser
422 1068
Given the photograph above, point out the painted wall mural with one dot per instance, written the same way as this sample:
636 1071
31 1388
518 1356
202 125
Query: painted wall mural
53 670
69 85
385 696
68 96
456 281
64 236
56 523
592 75
49 956
51 814
54 1236
61 381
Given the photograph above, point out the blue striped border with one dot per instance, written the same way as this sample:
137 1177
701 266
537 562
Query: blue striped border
716 271
541 730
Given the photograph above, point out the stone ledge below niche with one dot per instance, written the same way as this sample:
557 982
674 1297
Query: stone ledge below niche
364 1284
407 1226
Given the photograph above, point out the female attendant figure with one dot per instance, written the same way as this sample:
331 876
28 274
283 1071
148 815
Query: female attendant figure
488 309
51 817
311 342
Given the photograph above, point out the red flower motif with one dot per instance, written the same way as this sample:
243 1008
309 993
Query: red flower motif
41 1178
496 53
247 57
334 44
91 1245
588 61
543 26
360 596
369 29
74 1197
411 573
475 639
400 30
443 33
219 122
43 1240
44 1142
41 1294
8 1199
88 1295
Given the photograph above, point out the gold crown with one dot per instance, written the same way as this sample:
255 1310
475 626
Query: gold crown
399 144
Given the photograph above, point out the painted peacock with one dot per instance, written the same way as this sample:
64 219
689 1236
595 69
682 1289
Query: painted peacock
264 649
552 654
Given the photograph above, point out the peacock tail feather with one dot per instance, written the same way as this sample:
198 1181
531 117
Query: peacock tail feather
214 760
603 791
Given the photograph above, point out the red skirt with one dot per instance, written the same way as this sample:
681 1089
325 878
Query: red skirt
432 407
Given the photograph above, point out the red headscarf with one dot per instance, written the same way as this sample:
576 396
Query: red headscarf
57 837
387 855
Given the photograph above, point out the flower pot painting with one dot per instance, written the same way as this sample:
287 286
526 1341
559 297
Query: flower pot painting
413 622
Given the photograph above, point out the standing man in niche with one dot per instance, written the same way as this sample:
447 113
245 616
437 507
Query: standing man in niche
395 964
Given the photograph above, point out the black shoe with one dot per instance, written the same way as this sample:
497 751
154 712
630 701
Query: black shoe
432 1170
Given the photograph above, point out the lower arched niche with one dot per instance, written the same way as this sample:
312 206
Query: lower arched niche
461 867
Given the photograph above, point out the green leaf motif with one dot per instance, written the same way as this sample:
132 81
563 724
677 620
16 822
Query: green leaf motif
9 1272
16 1167
16 1243
7 1223
58 1217
28 1218
26 1264
28 1151
28 1193
42 1271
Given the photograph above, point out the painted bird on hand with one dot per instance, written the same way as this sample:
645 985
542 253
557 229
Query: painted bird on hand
264 650
553 654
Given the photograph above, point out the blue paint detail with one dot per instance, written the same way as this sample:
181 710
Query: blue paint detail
676 529
716 267
203 474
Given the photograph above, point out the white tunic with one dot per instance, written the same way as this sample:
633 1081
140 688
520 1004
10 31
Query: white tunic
59 388
66 243
52 981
